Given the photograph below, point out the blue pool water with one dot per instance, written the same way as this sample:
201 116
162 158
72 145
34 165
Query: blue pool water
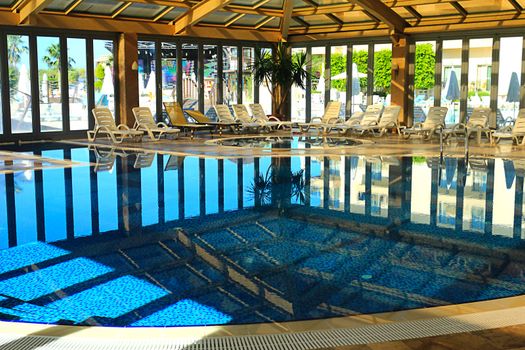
152 240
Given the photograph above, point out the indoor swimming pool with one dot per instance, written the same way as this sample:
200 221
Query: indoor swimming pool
144 239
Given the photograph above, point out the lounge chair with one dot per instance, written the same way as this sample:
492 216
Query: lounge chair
271 121
515 132
144 121
203 119
224 115
343 127
105 125
434 121
177 119
388 120
331 116
477 122
370 118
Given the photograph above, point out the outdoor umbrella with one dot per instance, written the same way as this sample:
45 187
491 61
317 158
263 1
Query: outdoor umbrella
513 93
510 172
453 90
451 165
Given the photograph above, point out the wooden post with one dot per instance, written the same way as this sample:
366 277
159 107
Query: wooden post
128 78
400 82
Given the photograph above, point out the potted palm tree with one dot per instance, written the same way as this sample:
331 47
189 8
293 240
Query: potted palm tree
279 74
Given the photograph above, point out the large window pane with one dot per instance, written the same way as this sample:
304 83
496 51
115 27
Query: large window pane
210 79
424 79
382 73
509 78
49 78
147 81
298 96
451 74
338 76
229 74
359 70
169 72
19 83
78 106
149 192
25 207
190 69
479 73
104 74
54 199
318 81
81 193
247 76
265 95
421 191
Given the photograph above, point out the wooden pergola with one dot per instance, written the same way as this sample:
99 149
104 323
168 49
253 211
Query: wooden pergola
292 21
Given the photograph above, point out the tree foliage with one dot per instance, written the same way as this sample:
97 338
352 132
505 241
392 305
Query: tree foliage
382 72
338 66
99 77
360 58
425 64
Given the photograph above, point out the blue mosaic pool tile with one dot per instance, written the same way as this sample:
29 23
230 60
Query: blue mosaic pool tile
287 253
324 262
428 256
283 227
252 233
221 240
208 271
178 249
116 261
477 265
28 254
252 262
400 278
514 272
46 281
111 299
149 256
185 312
220 301
179 280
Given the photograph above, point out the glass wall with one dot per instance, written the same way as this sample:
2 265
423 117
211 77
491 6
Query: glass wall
382 73
169 72
49 81
190 74
318 81
450 79
509 82
146 75
19 83
103 61
230 71
298 96
77 80
338 76
479 73
265 91
247 75
359 71
424 79
211 79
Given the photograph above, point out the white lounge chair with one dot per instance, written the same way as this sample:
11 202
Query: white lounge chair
273 122
477 122
224 115
105 125
370 118
389 120
343 127
434 121
144 121
514 132
331 116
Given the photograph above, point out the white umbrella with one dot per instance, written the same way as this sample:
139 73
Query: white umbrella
107 84
24 85
45 89
141 84
150 86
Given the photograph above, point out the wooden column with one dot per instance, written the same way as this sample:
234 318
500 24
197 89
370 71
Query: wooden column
128 78
400 81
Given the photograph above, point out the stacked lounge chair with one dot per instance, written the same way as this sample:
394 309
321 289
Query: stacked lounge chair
477 122
273 122
389 120
370 118
224 115
144 121
105 125
515 132
177 118
331 116
434 121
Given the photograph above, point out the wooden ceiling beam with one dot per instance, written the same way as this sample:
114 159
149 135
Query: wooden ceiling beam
121 9
461 10
263 22
163 13
197 13
286 19
381 11
9 18
234 19
31 7
322 10
334 19
73 6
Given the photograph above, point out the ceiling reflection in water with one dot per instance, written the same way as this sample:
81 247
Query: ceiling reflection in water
156 240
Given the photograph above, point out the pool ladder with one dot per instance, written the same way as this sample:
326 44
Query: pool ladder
441 144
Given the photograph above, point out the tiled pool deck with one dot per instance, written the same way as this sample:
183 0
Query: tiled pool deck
494 324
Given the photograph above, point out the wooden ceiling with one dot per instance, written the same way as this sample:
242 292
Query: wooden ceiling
267 20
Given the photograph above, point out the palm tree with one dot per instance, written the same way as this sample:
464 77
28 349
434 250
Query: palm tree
281 73
52 59
15 48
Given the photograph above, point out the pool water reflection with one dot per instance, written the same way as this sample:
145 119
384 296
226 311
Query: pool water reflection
156 240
